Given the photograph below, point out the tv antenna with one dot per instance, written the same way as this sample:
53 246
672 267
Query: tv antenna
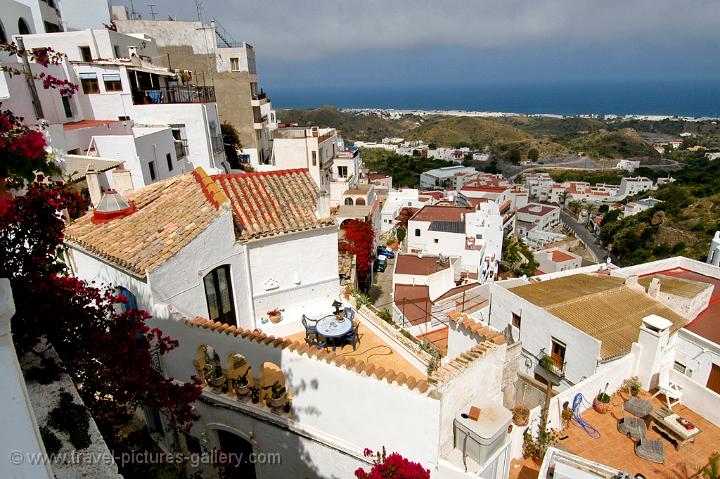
199 7
153 14
133 14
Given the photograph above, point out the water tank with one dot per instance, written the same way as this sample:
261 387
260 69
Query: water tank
480 439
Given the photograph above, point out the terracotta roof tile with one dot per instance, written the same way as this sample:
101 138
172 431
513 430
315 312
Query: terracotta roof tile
169 215
272 203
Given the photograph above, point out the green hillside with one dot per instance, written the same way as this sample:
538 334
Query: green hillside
625 143
353 126
551 127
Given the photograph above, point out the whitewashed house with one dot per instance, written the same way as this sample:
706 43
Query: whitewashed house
229 248
396 201
535 216
474 235
635 207
556 259
633 186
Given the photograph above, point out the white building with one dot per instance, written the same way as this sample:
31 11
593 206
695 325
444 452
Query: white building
228 247
446 176
580 322
556 259
635 207
474 235
396 201
633 186
535 216
628 165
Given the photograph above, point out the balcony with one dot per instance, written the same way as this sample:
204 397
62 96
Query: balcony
550 368
260 99
175 94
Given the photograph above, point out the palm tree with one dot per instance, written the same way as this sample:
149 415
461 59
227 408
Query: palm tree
712 470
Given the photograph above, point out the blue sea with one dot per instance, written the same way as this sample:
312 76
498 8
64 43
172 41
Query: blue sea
682 98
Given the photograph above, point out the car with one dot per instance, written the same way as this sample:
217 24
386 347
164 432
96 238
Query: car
382 250
380 264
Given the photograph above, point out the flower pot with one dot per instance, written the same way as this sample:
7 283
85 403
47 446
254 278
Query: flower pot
275 317
277 403
634 392
520 419
599 406
242 391
217 384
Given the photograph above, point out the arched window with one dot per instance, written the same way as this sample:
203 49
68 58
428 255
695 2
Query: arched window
131 302
348 201
360 201
23 28
218 293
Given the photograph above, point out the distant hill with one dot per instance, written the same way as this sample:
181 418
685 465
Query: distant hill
624 143
481 132
551 127
354 126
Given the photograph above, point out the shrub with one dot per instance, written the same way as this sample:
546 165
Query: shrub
51 441
392 466
401 232
72 419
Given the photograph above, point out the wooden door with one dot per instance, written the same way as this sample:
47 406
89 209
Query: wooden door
713 382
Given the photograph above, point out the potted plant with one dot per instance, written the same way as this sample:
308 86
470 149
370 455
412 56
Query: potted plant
536 447
338 309
275 315
521 415
242 388
348 291
254 394
601 401
632 385
277 395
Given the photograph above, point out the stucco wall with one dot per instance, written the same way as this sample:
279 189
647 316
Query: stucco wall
697 354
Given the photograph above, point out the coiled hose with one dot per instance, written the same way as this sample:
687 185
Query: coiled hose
589 429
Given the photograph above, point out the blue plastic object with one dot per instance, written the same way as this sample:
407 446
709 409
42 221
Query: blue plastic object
589 429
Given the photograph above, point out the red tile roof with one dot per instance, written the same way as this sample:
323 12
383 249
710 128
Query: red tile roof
377 176
488 188
272 202
414 302
536 209
413 264
560 256
441 213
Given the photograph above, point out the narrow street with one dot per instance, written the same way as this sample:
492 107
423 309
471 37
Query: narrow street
592 243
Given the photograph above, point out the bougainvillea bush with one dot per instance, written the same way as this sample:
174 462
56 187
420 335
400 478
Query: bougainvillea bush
359 237
392 466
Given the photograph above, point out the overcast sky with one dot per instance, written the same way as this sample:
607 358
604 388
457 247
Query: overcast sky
339 43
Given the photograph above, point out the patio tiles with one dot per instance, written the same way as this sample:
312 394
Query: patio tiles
372 350
615 450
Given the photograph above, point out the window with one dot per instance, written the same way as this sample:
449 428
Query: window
3 37
218 293
23 28
66 107
436 241
85 54
314 158
417 231
349 201
679 367
557 352
342 171
131 300
153 175
360 201
124 118
168 157
516 320
235 64
112 82
89 83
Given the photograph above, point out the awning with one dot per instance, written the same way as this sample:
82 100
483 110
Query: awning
152 71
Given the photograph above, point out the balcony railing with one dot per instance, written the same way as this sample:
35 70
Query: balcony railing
551 365
175 94
217 144
180 149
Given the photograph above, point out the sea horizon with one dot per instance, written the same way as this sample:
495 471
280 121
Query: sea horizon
643 98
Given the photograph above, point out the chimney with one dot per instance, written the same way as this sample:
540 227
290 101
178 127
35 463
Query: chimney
322 209
654 288
92 178
112 206
632 282
122 180
657 349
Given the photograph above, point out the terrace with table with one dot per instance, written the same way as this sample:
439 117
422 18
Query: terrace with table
613 448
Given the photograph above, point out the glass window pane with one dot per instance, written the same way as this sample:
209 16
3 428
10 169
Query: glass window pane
212 299
226 303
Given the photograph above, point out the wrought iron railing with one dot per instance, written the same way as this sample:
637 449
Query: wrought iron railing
174 94
551 364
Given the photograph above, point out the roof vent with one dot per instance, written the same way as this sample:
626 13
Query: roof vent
112 206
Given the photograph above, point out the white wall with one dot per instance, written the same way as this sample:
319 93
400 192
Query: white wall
537 329
697 354
698 398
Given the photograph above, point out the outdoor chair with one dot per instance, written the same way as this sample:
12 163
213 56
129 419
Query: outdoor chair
672 391
353 337
638 407
650 450
632 427
310 329
349 313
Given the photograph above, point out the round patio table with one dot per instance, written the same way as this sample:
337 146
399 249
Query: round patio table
331 327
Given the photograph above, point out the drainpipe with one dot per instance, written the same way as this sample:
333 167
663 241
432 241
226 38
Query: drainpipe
248 278
209 138
30 81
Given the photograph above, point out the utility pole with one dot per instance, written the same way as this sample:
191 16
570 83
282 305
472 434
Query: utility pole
152 6
30 80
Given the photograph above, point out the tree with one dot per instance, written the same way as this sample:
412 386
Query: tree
231 142
360 239
712 470
513 156
107 353
533 154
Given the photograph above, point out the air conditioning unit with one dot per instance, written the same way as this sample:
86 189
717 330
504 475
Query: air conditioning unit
478 439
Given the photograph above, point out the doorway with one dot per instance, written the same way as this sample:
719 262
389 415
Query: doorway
232 443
